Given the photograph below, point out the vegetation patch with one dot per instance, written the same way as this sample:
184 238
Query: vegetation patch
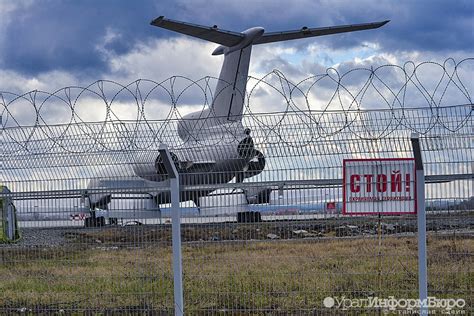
261 277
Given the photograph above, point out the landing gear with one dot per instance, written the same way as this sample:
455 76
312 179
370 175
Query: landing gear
198 204
249 217
94 221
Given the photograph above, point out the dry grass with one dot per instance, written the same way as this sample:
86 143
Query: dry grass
270 275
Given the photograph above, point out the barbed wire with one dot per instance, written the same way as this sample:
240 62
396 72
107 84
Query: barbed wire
361 102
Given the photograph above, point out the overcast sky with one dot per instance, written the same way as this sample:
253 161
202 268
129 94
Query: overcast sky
109 38
50 44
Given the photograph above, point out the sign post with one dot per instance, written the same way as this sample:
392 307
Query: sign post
175 230
420 192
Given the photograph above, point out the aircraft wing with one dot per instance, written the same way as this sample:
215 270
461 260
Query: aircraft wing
318 31
212 34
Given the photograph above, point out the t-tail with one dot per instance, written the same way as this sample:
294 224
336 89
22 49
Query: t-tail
229 96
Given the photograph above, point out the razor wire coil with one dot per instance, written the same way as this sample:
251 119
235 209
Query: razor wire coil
345 107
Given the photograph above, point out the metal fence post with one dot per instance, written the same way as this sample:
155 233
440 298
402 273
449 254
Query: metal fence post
11 220
421 219
176 230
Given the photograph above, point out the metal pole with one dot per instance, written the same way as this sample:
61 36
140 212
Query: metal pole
176 230
11 220
8 216
421 219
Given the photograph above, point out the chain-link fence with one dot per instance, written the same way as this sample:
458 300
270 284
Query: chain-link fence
262 226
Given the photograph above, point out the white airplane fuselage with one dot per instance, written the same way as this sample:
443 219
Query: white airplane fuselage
216 146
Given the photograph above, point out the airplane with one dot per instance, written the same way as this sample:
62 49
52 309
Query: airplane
216 147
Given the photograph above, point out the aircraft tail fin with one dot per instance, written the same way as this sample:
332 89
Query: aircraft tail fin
230 90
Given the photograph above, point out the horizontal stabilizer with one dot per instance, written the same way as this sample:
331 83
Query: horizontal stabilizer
318 31
211 34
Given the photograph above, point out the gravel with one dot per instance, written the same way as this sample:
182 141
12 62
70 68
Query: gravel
62 236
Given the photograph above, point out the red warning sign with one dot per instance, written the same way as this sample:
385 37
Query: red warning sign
379 186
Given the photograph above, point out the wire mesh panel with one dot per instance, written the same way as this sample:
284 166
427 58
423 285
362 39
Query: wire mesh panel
262 221
59 265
